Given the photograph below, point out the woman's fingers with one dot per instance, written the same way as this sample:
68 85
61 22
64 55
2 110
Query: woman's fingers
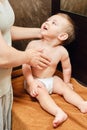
38 59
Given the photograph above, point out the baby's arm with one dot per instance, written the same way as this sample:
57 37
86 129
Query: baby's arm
27 73
66 66
32 83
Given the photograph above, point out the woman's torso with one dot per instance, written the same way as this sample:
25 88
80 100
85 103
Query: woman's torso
6 21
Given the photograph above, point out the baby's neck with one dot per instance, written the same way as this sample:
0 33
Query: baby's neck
51 42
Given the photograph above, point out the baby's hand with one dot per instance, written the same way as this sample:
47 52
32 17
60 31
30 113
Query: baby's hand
34 88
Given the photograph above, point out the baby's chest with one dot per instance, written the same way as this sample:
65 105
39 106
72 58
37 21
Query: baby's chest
53 55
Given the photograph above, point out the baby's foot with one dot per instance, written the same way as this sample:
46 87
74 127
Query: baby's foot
59 118
83 107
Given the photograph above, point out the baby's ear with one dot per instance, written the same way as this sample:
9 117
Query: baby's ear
62 36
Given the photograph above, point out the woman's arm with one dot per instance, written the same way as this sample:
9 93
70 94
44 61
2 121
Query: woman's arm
19 33
11 57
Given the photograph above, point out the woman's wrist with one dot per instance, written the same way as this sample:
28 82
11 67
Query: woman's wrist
37 32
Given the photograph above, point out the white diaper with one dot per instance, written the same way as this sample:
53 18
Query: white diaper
48 83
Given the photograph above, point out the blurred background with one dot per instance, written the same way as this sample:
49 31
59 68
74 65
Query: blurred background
75 6
30 13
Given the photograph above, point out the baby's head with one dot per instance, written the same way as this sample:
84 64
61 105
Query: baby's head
68 27
59 26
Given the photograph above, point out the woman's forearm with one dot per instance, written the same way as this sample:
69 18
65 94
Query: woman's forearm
9 56
12 58
19 33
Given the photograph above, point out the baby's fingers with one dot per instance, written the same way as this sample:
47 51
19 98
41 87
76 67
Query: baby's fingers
34 93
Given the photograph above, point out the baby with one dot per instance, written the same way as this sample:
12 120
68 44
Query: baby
40 83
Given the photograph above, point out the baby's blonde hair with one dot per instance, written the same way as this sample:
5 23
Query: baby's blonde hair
70 29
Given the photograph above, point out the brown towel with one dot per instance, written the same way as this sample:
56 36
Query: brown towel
28 115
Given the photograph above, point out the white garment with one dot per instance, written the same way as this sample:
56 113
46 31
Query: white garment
48 83
6 21
6 94
5 110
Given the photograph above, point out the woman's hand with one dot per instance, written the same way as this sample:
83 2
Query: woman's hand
36 58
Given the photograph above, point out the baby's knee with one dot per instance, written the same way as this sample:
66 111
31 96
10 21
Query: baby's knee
42 90
58 79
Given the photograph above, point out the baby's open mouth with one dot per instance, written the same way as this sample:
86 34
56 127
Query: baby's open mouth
45 27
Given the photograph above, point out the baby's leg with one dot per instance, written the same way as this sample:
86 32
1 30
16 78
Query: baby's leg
48 104
69 95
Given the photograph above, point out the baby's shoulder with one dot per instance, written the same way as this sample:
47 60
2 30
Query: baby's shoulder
62 51
62 48
33 43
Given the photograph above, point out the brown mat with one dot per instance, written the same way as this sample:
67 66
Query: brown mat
28 115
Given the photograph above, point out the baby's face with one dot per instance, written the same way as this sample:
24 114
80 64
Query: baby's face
54 25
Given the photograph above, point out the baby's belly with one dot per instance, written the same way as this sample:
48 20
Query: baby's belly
43 73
